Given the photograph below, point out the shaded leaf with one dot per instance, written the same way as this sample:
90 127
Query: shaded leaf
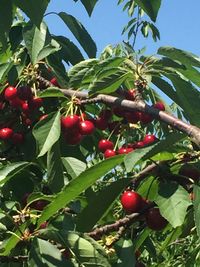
73 166
151 7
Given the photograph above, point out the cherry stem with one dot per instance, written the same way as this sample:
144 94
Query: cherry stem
116 144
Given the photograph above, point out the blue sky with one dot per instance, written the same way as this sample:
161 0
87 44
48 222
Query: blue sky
178 22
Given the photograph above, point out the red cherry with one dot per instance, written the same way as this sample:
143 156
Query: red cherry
109 153
131 201
104 144
149 139
44 116
130 94
54 81
154 219
10 93
73 138
145 118
124 150
101 123
6 133
69 122
25 108
17 138
16 102
35 103
86 127
132 117
24 92
159 106
138 144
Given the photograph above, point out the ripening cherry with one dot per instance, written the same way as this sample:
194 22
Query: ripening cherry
70 121
109 153
10 93
149 139
145 118
159 106
124 150
6 133
131 201
86 127
155 220
104 144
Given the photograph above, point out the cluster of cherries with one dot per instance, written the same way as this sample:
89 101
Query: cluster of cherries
23 100
132 202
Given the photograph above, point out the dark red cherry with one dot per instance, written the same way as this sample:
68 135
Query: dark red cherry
104 144
35 103
109 153
6 133
155 220
17 138
24 92
131 201
86 127
159 106
10 93
70 121
146 118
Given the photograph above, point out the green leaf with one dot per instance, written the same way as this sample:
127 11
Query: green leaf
55 169
173 201
80 33
86 250
6 18
132 158
78 185
150 7
51 92
184 57
48 50
34 39
197 208
34 9
43 253
39 196
73 166
4 69
10 170
103 200
189 98
108 80
69 51
47 132
124 250
89 5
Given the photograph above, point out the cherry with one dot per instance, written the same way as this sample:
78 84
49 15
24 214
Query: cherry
154 219
73 138
106 114
17 138
138 144
35 103
159 106
39 204
131 201
101 123
43 225
132 117
69 122
25 92
16 102
54 81
124 150
104 144
10 93
6 133
130 94
86 127
149 139
145 118
119 112
109 153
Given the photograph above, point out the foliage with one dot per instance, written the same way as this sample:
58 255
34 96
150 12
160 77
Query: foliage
60 188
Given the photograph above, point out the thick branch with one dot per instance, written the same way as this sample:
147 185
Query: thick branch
191 130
